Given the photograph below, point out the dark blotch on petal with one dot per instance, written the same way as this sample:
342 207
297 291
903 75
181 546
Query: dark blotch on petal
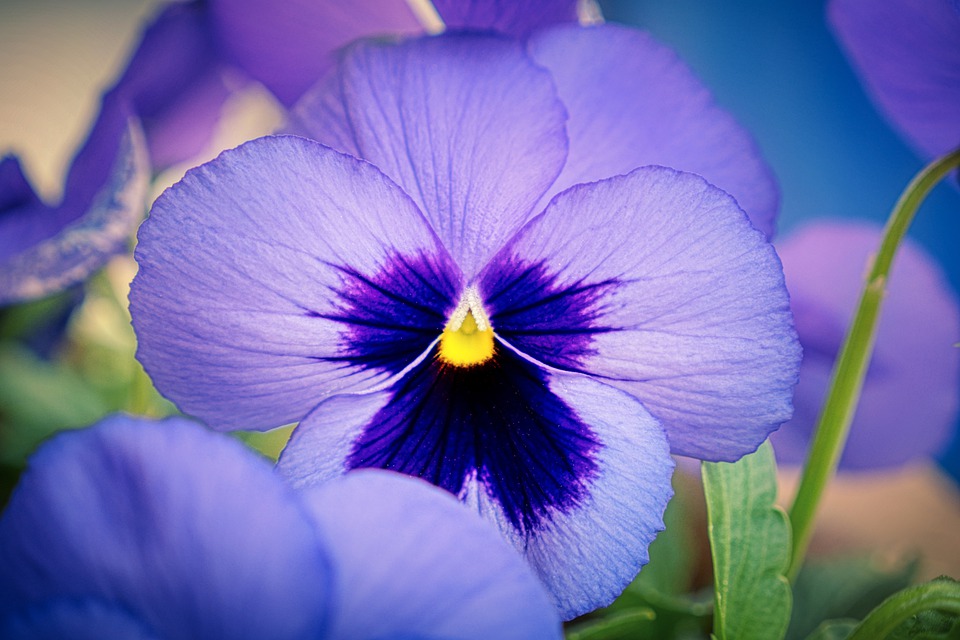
391 318
548 321
499 420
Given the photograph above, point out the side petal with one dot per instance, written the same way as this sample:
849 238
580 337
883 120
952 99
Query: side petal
910 397
907 52
184 529
633 102
467 124
279 273
574 473
513 18
410 562
46 249
667 292
288 46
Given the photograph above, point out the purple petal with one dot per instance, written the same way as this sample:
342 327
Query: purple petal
15 189
46 249
279 273
507 16
669 293
574 473
910 395
174 83
185 530
466 124
410 562
77 620
907 53
288 46
633 102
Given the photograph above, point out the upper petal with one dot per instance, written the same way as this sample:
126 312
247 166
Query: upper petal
46 249
657 283
279 273
633 102
289 45
187 531
909 401
907 53
574 473
507 16
467 124
410 562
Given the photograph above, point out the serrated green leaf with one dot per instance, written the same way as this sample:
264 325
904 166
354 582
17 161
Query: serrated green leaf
750 543
928 611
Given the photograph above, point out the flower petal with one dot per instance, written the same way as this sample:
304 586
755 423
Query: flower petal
506 16
47 249
465 123
574 473
77 620
909 401
633 102
439 571
188 531
279 273
174 83
288 46
907 53
667 293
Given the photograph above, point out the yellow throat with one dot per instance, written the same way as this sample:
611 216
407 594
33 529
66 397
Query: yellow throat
467 340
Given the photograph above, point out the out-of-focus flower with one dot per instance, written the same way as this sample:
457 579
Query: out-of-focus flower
910 395
138 529
46 248
464 339
908 54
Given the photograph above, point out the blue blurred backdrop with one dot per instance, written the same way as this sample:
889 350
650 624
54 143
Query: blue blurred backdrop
776 66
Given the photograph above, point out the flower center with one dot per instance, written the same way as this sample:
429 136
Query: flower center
467 340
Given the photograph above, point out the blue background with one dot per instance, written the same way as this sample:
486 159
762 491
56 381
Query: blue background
776 66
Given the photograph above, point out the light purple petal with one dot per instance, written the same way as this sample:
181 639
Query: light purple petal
633 102
911 393
584 550
186 530
46 249
465 123
907 53
290 45
507 16
410 562
691 314
244 267
174 83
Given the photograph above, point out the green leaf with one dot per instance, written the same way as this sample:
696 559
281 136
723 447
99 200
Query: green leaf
750 543
842 588
928 611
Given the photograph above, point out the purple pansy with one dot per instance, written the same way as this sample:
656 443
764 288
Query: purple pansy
910 395
436 322
141 529
46 248
908 54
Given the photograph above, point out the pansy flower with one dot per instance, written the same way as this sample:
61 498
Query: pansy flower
907 53
533 364
140 529
909 402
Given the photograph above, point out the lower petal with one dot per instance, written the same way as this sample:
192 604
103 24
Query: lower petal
575 473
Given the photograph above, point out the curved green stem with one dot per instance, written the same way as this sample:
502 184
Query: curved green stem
851 366
939 595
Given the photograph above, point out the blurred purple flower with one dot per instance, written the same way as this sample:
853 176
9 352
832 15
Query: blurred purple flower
139 529
910 396
907 53
46 248
448 332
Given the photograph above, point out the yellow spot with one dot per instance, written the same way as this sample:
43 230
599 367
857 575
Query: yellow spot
467 345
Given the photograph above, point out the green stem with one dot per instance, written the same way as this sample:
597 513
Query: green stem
940 595
851 365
